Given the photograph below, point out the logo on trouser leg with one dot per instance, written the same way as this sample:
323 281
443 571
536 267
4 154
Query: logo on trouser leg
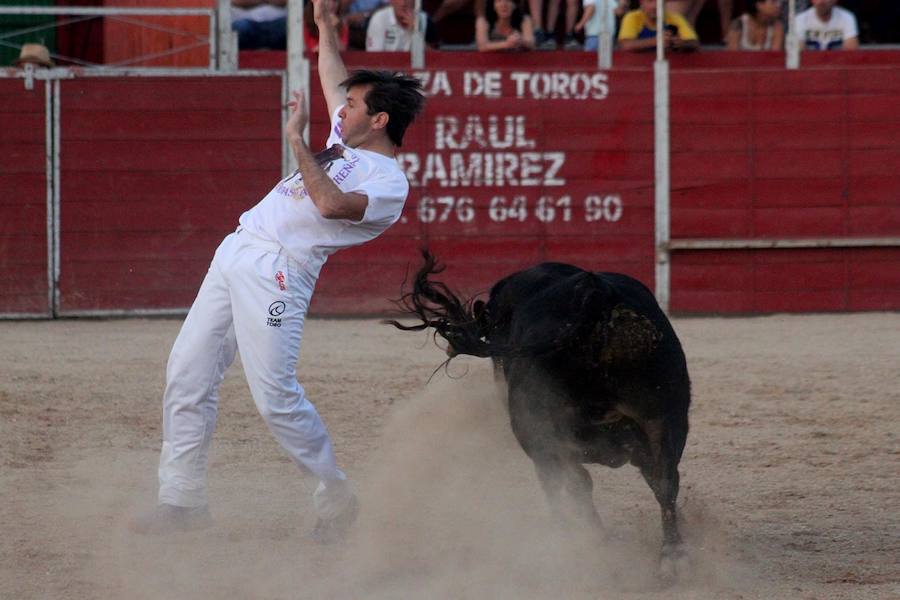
276 309
279 277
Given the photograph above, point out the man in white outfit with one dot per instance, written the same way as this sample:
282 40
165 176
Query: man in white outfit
257 291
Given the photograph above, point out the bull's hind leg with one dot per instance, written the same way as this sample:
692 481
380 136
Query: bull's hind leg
550 474
580 487
561 481
535 406
660 470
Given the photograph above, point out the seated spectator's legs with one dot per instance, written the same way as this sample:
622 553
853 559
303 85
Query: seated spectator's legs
691 9
570 17
255 35
536 10
572 7
726 14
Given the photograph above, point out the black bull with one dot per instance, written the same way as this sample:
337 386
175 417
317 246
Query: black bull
594 371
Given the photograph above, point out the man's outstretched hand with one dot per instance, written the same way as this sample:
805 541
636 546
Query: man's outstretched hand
323 10
299 117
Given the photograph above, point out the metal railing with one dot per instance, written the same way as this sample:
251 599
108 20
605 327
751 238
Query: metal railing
220 41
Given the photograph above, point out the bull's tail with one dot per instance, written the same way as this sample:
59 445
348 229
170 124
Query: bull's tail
436 306
580 316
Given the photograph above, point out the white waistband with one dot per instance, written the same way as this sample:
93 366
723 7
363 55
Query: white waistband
250 238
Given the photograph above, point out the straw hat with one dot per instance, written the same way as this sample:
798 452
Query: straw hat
34 53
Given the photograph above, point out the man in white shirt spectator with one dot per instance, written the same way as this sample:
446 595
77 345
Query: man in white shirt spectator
357 14
825 26
391 27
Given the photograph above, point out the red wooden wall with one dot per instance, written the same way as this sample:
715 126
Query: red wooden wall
771 154
757 153
23 199
154 172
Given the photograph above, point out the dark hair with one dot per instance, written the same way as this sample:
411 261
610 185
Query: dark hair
395 93
515 19
752 8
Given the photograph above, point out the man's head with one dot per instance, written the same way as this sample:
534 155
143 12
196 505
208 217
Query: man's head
403 12
649 8
823 7
766 9
379 103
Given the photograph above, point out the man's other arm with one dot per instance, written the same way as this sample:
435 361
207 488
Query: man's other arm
331 67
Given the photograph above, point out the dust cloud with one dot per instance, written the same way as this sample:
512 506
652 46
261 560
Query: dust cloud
453 509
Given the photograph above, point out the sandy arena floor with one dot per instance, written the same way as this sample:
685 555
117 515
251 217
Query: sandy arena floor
790 480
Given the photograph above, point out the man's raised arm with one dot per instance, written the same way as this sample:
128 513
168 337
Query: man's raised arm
331 68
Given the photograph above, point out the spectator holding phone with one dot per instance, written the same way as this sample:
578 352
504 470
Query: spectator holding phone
638 30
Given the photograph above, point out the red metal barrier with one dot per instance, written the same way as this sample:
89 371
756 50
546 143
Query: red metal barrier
24 287
757 153
771 154
154 172
509 165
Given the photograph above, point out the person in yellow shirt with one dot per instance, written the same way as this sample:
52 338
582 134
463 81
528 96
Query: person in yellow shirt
638 30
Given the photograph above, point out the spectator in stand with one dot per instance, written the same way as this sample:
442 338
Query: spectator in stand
760 28
591 17
391 27
311 30
503 27
825 26
357 14
260 24
543 31
638 30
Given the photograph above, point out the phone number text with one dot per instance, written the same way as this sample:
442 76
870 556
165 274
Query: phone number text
592 208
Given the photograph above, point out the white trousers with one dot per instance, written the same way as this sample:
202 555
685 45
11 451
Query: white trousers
254 298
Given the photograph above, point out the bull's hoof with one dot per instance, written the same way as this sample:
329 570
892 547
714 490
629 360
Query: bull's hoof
674 563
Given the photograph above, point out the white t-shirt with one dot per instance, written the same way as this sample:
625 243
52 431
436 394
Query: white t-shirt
385 34
288 216
592 27
259 13
816 35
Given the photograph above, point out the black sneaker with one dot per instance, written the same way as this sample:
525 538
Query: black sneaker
329 531
167 518
549 43
570 43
